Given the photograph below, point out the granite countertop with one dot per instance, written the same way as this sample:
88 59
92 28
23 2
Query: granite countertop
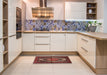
96 35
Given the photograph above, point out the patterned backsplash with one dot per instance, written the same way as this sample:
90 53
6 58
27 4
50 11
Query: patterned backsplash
48 25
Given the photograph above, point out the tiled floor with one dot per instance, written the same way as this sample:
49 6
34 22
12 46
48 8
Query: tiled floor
24 66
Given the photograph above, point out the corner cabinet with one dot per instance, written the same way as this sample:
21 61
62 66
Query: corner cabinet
28 42
87 49
1 56
58 41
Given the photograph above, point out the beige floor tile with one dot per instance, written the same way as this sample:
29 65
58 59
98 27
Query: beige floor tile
24 66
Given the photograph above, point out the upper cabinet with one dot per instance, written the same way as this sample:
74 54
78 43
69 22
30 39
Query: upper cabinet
91 10
75 10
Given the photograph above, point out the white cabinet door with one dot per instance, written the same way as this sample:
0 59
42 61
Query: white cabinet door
19 45
57 42
42 42
1 56
12 48
42 47
12 17
75 10
79 44
1 18
28 42
92 52
71 42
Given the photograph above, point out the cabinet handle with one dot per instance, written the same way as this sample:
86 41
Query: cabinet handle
12 35
42 36
42 44
84 49
84 40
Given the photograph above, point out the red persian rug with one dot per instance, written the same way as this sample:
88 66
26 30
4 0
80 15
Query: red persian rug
51 59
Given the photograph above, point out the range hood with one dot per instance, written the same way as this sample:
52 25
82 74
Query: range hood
42 12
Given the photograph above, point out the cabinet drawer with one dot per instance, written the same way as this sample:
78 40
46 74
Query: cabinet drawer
84 51
41 47
85 42
42 40
42 34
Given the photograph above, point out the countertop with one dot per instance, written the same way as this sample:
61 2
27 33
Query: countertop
96 35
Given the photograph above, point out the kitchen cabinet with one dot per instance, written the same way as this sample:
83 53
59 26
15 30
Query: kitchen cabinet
19 45
58 42
42 41
28 42
75 10
12 51
1 56
1 6
87 49
12 17
71 42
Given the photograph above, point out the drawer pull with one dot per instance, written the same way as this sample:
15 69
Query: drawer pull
42 44
84 49
12 35
42 36
84 40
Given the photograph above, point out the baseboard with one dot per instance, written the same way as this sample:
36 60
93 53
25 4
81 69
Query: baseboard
49 53
10 64
91 67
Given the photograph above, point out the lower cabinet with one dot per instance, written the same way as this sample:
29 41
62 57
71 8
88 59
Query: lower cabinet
49 42
1 56
71 42
28 42
12 48
19 45
87 49
58 41
42 41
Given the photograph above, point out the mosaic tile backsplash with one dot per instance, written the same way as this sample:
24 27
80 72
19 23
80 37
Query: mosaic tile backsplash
48 25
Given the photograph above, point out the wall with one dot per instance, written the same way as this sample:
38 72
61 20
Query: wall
23 14
81 0
105 16
29 5
58 6
100 9
100 13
